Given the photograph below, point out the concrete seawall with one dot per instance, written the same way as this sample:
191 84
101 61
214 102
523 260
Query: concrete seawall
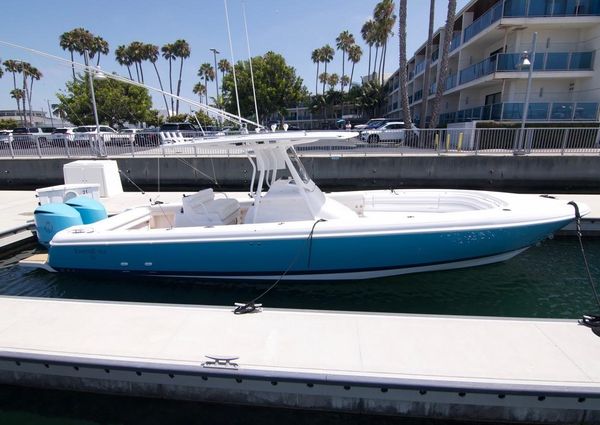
535 173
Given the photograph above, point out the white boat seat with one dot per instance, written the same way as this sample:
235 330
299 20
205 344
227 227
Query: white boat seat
201 209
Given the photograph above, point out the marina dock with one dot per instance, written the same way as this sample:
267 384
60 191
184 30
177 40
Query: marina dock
413 365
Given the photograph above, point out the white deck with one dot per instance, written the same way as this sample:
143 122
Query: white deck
486 352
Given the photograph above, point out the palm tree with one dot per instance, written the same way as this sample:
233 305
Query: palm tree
323 79
181 49
385 19
98 47
224 66
168 53
67 42
327 53
354 55
316 58
14 67
333 80
123 59
427 63
152 54
34 74
207 73
343 43
17 94
368 34
200 90
402 71
137 52
441 81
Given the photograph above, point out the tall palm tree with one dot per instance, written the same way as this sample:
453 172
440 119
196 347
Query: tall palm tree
402 71
343 42
98 47
34 74
368 34
169 54
200 90
14 67
316 58
443 72
354 55
327 53
67 42
207 73
137 52
385 18
151 54
182 51
333 80
225 67
323 79
123 59
17 94
427 63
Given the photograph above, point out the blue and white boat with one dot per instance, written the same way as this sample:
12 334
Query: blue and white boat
288 228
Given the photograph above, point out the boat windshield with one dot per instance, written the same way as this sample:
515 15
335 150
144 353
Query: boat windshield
298 165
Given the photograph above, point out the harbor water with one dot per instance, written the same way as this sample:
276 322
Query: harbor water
546 281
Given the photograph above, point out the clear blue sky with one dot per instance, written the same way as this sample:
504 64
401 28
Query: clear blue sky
292 28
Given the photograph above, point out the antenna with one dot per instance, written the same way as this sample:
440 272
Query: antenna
250 60
237 97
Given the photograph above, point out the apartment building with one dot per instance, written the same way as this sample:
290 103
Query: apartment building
487 79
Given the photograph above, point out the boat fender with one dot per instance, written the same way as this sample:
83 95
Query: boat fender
591 321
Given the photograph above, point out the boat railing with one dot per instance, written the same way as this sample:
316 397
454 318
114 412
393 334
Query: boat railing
462 138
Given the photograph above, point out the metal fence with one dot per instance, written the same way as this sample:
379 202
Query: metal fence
467 141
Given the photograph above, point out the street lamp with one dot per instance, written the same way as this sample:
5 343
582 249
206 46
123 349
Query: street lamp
97 74
527 60
215 53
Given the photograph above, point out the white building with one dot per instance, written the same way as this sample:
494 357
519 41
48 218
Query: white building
40 118
486 79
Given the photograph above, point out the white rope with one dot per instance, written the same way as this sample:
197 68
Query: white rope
250 61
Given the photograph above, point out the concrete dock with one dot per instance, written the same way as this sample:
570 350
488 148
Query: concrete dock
424 366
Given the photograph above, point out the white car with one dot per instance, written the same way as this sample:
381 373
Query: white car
83 134
393 131
372 123
62 135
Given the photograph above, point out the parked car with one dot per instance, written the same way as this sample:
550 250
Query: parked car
28 137
393 131
372 123
62 135
179 126
6 139
83 134
147 137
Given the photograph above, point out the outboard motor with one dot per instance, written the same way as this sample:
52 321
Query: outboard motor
89 209
52 218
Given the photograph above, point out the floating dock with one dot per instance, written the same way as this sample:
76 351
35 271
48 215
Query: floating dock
455 367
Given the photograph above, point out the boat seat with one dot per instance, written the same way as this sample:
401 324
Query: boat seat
201 209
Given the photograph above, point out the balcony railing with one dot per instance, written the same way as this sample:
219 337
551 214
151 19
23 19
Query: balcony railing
537 111
488 18
510 62
455 42
531 9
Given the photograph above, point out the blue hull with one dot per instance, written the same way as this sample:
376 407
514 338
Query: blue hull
320 256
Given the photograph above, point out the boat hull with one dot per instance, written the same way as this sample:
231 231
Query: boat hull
342 257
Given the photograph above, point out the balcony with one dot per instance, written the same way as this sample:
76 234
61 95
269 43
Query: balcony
450 83
455 42
537 111
531 9
510 62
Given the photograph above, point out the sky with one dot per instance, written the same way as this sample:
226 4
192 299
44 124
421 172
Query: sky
291 28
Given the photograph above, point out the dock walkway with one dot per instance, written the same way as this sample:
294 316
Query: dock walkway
415 365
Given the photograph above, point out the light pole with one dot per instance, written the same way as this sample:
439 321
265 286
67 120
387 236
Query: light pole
526 60
94 109
50 113
215 53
